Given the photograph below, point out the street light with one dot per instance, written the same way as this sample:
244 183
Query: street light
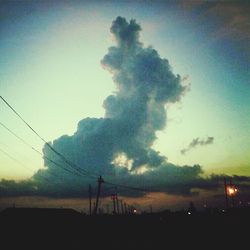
231 190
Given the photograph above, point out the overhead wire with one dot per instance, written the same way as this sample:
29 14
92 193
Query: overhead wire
20 163
81 171
69 163
14 159
36 150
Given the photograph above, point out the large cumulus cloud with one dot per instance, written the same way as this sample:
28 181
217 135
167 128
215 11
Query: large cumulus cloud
145 84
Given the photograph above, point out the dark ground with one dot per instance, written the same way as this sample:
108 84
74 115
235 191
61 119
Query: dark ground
23 228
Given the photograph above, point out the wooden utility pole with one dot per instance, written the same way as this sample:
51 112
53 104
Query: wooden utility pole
100 181
232 195
125 208
151 209
225 188
114 203
90 200
129 209
107 208
117 204
122 208
100 210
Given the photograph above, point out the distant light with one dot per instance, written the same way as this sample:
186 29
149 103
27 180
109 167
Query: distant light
135 211
189 213
232 190
223 210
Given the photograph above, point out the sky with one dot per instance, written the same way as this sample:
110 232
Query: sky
159 102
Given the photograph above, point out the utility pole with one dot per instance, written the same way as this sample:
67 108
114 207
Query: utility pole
107 208
90 200
114 203
122 208
100 181
125 208
99 210
232 196
129 209
225 188
117 204
151 209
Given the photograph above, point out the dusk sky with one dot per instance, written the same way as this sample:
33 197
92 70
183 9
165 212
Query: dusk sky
150 94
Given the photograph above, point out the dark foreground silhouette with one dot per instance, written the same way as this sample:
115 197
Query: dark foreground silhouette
26 228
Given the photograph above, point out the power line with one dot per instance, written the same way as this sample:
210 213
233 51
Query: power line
36 150
15 160
18 137
72 165
20 163
24 166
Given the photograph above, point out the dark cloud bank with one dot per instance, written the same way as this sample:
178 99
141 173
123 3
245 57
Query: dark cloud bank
119 146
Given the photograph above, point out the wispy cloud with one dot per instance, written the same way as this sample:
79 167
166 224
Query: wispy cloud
197 142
